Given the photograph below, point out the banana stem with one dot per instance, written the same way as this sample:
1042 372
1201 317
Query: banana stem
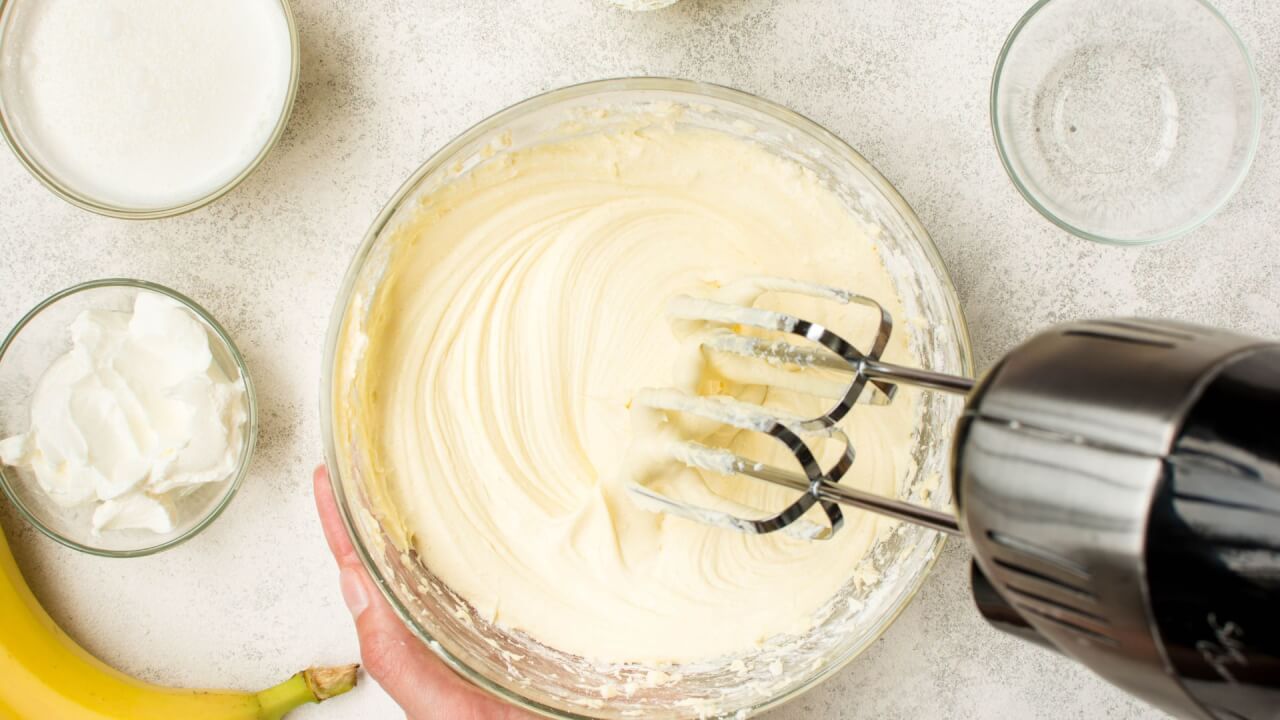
309 686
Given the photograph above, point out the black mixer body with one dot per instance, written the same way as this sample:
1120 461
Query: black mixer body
1120 484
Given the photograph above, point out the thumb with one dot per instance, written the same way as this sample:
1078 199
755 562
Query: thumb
418 680
410 673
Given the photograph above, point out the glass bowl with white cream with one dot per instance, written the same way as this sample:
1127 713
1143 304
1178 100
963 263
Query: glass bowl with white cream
145 108
127 417
490 336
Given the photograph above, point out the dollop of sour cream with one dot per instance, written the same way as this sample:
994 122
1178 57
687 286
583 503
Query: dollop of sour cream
134 416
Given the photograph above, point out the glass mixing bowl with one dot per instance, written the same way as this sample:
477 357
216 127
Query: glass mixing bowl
517 668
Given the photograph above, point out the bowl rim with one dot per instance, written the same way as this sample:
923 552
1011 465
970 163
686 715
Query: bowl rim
85 202
997 132
477 131
250 428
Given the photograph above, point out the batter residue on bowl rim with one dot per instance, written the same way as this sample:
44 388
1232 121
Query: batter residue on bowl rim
523 308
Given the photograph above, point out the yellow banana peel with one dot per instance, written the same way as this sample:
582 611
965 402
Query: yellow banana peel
45 675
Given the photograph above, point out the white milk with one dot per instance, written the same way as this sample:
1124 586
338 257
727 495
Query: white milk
145 104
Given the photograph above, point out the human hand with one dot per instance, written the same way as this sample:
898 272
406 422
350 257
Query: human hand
410 673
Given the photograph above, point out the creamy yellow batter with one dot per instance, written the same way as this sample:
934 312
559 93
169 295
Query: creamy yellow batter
523 310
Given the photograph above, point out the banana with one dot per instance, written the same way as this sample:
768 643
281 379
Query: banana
45 675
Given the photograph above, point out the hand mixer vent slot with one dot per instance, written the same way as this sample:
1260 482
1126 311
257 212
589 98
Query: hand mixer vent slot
1133 339
1057 604
1080 630
1026 548
1140 327
1015 570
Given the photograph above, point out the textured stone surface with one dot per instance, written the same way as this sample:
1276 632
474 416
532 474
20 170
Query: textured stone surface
385 83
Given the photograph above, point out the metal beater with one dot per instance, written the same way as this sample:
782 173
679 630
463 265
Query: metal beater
1118 482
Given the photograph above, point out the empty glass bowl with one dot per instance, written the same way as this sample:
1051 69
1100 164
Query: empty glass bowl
42 336
1125 122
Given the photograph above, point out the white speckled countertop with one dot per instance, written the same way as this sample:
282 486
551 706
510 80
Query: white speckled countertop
385 83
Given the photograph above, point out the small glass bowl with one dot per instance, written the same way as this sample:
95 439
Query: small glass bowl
14 138
1125 122
34 343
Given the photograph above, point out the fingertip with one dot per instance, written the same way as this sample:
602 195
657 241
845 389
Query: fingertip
335 532
320 482
405 667
320 488
419 682
355 591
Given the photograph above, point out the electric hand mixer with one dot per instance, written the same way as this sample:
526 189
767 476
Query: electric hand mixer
1118 483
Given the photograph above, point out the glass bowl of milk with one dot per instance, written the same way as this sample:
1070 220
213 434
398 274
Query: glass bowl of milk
127 418
145 108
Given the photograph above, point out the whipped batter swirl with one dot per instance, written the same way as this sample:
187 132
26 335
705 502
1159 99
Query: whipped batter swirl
524 308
